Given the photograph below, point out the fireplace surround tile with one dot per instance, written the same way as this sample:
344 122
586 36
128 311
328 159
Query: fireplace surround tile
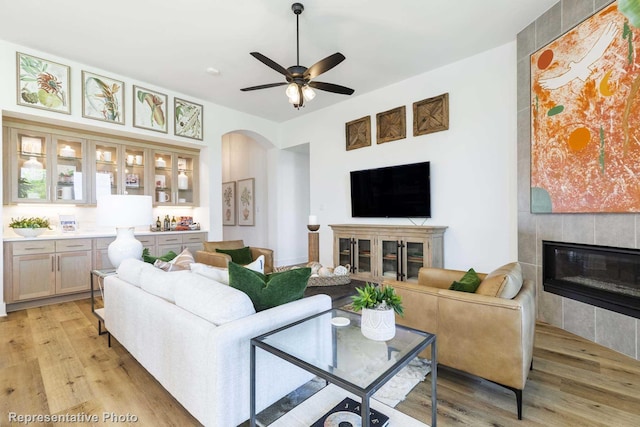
617 230
579 229
579 318
527 238
616 331
526 42
549 25
574 12
549 227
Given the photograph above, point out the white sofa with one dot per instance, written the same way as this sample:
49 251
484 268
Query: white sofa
192 334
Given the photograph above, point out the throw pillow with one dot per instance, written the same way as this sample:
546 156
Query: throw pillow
183 260
257 265
168 266
147 257
240 256
218 274
503 282
468 283
267 291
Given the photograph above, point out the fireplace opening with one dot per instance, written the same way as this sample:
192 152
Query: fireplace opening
603 276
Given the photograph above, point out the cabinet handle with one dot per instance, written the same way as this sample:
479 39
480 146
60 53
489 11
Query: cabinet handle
53 264
171 240
58 262
34 249
75 246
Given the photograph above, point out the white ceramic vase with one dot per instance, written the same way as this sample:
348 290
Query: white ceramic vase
378 325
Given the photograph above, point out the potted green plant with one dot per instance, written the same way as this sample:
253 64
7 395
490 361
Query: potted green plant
29 227
379 305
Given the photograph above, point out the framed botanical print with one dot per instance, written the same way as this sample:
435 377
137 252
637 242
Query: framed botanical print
149 109
102 98
229 203
188 119
43 84
246 207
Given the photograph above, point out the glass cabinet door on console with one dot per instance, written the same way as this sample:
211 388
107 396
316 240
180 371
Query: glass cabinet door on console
106 179
356 252
391 251
402 258
416 255
70 176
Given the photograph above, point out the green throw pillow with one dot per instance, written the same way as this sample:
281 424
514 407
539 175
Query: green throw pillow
239 256
468 283
267 291
146 257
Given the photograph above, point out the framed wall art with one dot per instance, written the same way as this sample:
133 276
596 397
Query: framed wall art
431 115
188 119
43 84
391 125
149 109
229 203
246 202
358 133
585 87
102 98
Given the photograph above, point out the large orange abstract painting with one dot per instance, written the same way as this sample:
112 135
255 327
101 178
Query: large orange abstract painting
585 118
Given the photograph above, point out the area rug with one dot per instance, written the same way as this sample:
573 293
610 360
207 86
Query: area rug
392 393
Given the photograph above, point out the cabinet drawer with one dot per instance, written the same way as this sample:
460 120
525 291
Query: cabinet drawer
104 242
193 238
37 247
147 241
73 245
169 240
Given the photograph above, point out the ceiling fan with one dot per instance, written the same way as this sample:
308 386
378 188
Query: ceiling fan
299 78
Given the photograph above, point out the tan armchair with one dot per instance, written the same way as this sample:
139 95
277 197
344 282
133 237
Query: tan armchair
488 333
211 257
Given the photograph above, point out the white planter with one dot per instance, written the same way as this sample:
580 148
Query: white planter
378 325
29 232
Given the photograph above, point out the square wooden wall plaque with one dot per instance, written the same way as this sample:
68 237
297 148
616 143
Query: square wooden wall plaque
391 125
431 115
358 133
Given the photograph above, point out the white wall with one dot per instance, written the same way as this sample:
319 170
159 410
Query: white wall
473 164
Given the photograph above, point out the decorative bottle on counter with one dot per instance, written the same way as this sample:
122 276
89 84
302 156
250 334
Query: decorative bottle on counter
173 223
158 224
166 223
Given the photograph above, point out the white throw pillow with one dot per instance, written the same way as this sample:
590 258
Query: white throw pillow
131 269
257 265
211 300
218 274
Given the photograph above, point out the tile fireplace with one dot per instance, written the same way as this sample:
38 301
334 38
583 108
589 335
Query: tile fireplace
602 276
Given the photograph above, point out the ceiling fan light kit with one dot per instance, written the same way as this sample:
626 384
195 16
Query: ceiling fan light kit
299 79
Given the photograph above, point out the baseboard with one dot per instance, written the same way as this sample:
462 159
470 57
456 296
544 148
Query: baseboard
3 310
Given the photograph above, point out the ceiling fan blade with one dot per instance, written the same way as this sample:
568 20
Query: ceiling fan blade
330 87
271 64
264 86
324 65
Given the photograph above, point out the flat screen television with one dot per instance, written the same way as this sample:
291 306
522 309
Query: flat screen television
392 192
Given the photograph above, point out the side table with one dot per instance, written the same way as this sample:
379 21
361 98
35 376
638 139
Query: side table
99 312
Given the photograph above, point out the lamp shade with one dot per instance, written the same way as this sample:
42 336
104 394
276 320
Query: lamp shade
124 211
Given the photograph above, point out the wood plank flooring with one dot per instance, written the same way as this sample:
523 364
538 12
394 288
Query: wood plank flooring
52 361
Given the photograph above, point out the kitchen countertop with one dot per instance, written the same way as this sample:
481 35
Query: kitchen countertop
56 235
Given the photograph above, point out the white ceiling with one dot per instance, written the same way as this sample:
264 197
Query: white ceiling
170 43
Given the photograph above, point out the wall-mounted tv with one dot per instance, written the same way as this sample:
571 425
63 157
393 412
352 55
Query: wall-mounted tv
392 192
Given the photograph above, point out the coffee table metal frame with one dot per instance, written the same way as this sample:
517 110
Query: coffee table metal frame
364 393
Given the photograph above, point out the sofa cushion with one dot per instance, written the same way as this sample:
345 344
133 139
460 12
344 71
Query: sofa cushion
163 284
468 283
504 282
220 274
267 291
184 259
213 301
130 270
240 256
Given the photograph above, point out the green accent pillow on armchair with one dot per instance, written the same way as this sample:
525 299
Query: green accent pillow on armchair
468 283
240 256
267 291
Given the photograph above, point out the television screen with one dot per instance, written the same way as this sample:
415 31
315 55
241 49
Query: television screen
391 192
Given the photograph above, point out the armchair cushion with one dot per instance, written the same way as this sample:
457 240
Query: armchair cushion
267 291
503 282
240 256
468 283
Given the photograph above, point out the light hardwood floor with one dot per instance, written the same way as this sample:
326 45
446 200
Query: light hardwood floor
53 362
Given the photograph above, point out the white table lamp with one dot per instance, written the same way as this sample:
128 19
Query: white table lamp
124 213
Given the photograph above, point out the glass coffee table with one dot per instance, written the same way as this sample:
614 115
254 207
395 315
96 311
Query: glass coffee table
331 346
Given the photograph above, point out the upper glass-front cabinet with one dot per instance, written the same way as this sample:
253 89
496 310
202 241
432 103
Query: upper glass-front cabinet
135 159
106 176
174 178
47 168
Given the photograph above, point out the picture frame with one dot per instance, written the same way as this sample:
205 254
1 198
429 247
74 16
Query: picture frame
102 98
30 145
246 201
132 180
431 115
68 223
187 119
42 84
391 125
160 181
358 133
149 109
229 203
